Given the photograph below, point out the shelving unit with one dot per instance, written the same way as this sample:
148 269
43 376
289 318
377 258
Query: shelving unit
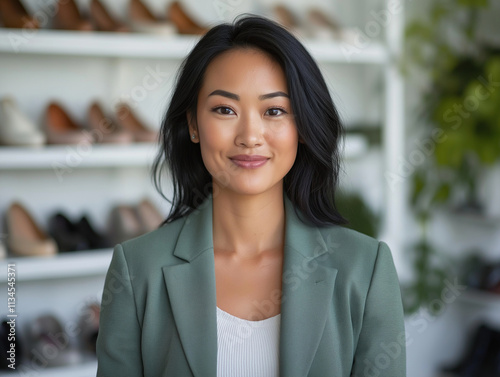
109 62
54 42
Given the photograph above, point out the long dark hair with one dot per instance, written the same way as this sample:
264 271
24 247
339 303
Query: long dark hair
311 182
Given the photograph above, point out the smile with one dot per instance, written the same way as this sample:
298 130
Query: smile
249 162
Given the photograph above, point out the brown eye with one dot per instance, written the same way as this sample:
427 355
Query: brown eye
275 111
223 110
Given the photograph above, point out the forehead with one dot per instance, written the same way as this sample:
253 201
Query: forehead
244 66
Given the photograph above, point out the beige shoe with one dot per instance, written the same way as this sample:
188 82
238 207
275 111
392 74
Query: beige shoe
148 215
16 128
129 121
104 129
124 224
24 236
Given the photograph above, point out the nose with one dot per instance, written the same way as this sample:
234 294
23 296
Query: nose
250 131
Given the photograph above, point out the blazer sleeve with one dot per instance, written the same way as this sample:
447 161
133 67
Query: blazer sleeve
118 342
381 348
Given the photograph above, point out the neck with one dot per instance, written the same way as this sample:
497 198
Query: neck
248 225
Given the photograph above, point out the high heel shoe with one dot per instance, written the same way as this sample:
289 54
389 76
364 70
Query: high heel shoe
102 20
61 129
66 234
105 130
24 236
68 17
15 127
14 15
148 215
142 20
184 23
130 122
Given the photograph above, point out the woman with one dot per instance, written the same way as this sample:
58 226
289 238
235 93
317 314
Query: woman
251 274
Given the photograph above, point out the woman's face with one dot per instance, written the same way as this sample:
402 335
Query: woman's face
245 125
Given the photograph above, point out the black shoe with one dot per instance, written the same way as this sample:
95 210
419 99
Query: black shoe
66 234
481 355
94 239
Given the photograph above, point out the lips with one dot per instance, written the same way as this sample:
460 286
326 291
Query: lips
249 161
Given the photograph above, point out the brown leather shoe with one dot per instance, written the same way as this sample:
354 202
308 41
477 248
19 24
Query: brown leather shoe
128 121
104 129
184 24
102 20
14 15
61 129
24 236
68 17
142 20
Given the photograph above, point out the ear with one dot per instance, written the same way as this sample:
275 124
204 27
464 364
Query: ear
193 128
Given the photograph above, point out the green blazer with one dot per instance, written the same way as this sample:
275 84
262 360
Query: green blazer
341 311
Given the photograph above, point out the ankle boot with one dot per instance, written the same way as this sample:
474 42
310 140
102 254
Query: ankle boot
102 20
68 17
14 15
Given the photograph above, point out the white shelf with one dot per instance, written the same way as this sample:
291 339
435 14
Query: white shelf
107 155
88 369
131 45
63 265
77 156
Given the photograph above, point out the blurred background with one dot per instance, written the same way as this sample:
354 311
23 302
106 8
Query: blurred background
84 85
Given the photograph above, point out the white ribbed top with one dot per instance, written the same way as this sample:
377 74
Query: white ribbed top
247 348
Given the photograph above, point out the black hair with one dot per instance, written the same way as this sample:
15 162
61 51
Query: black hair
312 181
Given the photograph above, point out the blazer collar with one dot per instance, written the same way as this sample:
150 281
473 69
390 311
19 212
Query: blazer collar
307 291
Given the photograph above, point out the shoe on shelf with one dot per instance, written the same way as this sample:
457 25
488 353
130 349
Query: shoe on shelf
285 17
142 20
68 17
14 15
148 215
66 234
16 128
89 326
183 23
102 20
124 224
95 240
61 129
46 332
105 130
323 27
24 237
130 122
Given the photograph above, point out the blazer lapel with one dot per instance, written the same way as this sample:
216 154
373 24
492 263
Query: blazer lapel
192 294
307 295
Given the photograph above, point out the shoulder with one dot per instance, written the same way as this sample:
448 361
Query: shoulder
355 255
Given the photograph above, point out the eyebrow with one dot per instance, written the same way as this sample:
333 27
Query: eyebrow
236 97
